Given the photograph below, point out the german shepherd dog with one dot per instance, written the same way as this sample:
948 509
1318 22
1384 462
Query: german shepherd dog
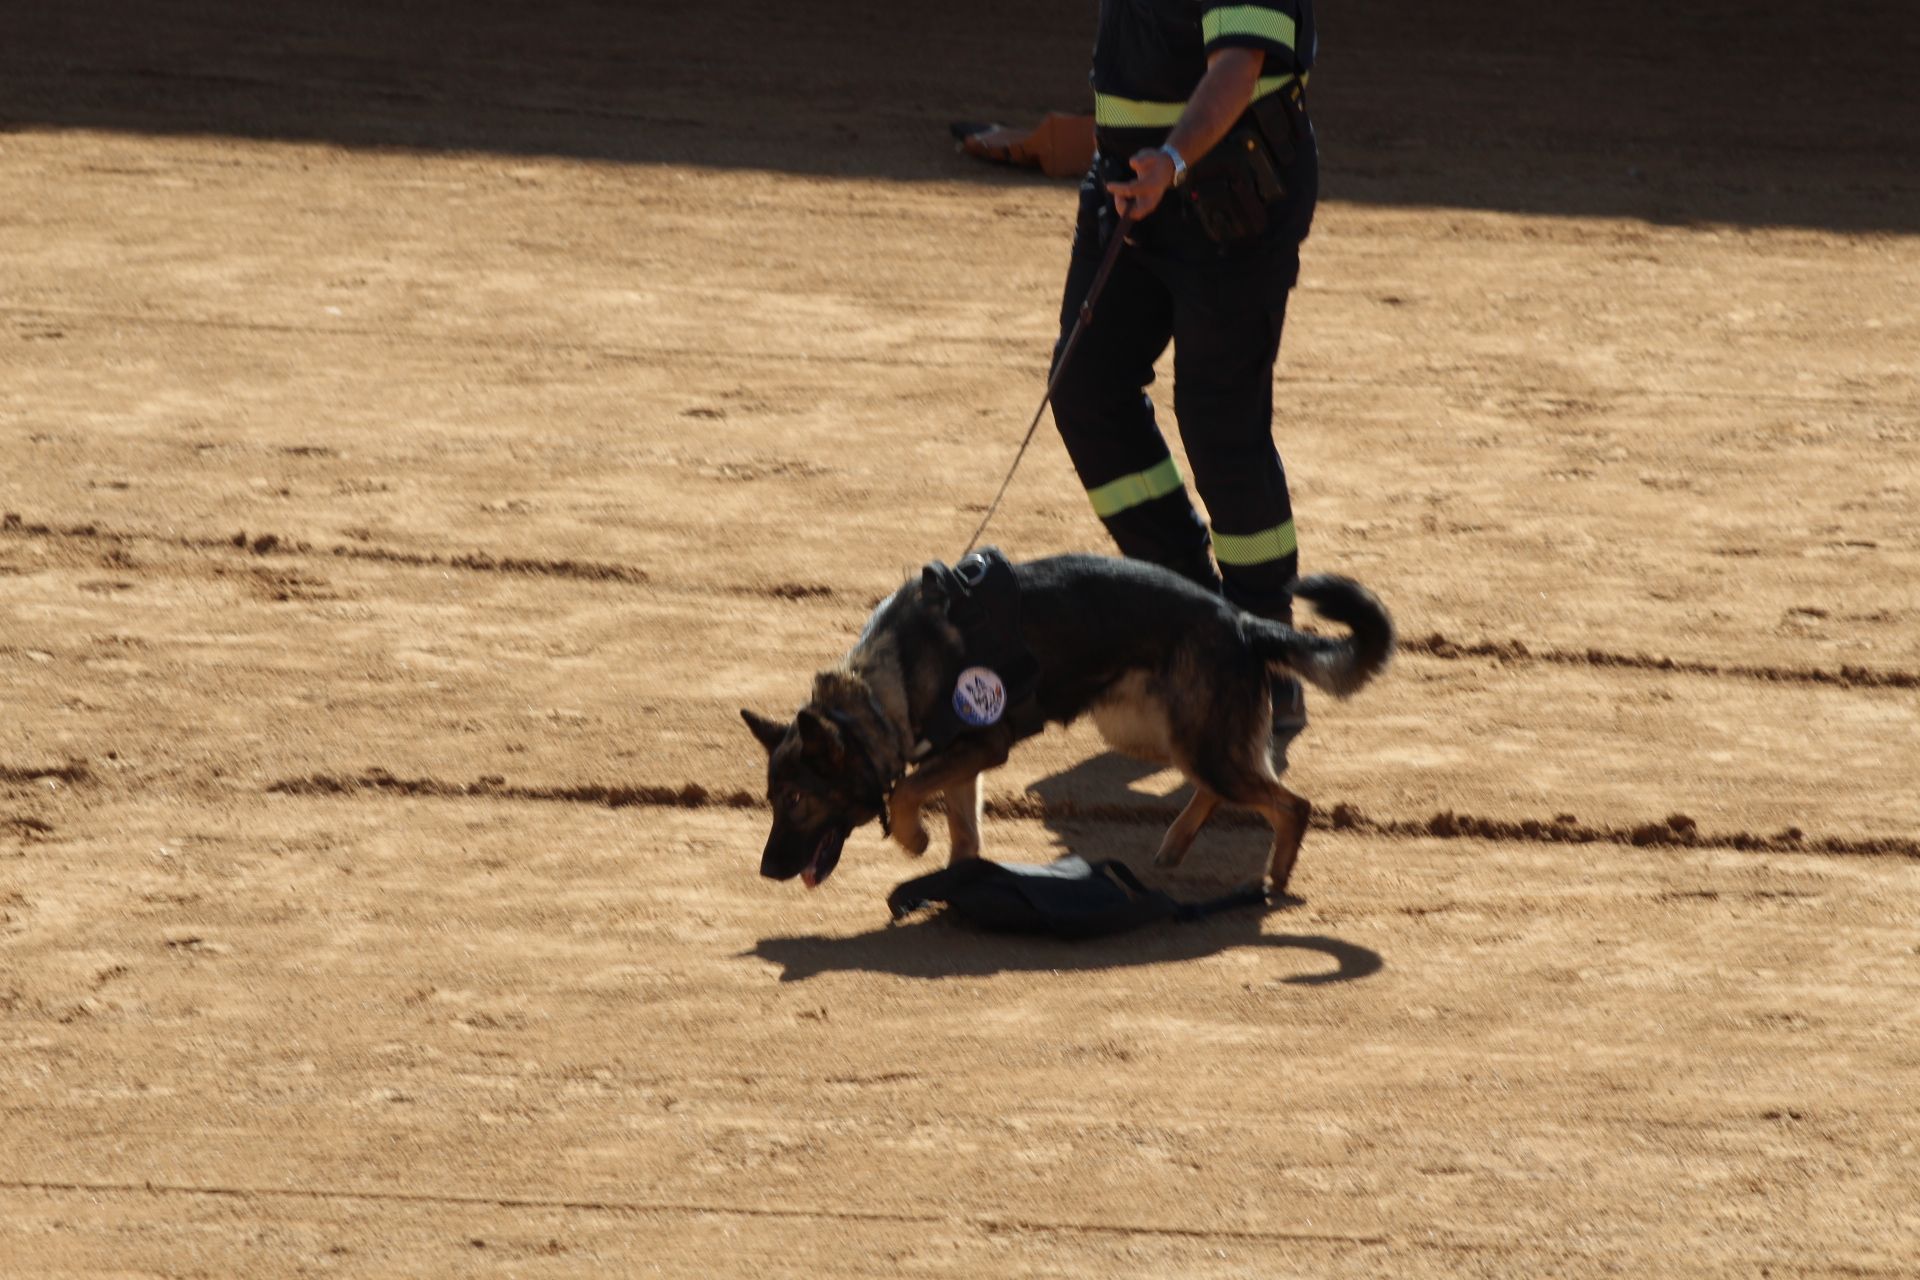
1170 672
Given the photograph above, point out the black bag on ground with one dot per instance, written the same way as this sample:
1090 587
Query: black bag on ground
1071 898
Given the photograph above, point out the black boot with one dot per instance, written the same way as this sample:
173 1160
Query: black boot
1289 717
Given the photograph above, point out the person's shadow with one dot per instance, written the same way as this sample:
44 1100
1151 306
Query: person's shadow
1095 811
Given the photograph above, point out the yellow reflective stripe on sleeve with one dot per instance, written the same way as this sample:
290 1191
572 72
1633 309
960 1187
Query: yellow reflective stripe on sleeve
1114 112
1115 496
1267 84
1247 20
1255 548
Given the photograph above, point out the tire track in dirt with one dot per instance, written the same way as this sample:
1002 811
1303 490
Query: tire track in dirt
73 773
1434 645
1675 831
985 1223
25 827
653 354
485 562
649 354
264 544
1439 646
12 524
690 795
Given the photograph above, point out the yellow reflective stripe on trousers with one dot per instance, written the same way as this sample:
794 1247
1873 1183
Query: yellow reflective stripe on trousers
1114 112
1247 20
1115 496
1255 548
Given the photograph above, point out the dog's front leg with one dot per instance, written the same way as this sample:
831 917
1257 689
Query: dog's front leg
959 766
963 820
903 816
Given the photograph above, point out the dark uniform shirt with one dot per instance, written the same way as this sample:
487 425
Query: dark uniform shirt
1149 55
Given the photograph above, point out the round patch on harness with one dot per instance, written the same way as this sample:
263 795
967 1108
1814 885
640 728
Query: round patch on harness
979 697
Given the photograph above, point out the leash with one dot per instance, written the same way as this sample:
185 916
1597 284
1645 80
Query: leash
1053 379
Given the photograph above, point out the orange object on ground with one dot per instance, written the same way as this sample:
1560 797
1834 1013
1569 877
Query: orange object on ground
1060 146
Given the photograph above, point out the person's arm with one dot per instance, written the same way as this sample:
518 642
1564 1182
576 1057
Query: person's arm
1222 94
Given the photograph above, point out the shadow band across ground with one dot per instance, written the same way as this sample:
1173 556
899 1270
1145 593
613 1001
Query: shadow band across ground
1759 113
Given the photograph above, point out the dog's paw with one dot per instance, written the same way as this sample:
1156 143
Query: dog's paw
1171 852
908 831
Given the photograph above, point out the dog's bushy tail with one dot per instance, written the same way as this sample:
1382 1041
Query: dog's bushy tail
1339 664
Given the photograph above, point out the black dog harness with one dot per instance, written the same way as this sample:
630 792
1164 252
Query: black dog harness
995 684
998 675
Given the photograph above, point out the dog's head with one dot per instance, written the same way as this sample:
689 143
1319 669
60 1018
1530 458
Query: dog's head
820 788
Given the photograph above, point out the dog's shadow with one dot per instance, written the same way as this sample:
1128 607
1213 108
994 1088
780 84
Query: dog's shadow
931 947
1113 806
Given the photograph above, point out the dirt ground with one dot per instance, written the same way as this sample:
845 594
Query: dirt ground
414 451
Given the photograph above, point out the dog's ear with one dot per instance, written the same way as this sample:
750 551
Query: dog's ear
769 732
820 738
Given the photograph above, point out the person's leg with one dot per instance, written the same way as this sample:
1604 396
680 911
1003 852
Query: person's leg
1225 345
1223 395
1226 338
1101 407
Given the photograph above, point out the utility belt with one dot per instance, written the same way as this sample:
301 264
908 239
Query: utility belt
1231 192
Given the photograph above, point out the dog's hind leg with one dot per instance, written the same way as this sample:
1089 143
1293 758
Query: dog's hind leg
963 820
1284 811
1289 814
1179 837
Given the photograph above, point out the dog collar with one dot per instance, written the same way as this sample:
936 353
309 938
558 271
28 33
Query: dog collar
881 779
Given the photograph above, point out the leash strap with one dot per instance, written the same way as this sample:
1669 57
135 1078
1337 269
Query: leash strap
1080 325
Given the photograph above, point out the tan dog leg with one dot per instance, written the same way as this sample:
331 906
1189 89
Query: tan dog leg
958 767
903 815
1289 814
963 820
1179 837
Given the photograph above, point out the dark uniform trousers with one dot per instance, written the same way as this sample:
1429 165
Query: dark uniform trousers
1223 311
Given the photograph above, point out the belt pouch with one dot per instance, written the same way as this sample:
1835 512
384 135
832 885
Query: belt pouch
1230 189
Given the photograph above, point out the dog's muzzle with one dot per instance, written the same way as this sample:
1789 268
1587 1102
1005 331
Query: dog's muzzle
811 857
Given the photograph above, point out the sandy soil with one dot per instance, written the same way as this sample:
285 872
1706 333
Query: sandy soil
394 520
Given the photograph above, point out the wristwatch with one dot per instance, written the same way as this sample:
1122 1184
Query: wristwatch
1179 162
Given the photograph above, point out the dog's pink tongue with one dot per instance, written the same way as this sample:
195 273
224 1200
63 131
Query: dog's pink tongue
810 874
